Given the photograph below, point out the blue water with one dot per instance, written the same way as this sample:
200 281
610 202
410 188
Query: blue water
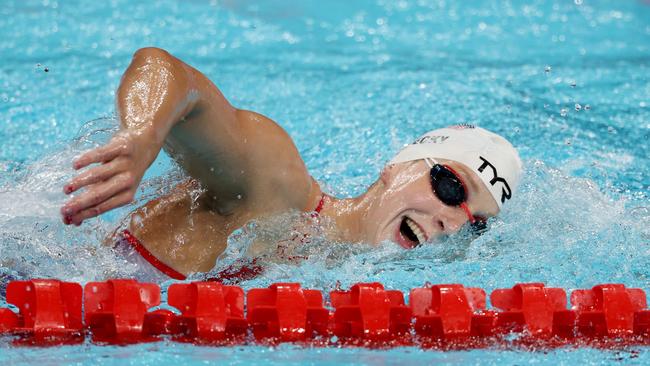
351 81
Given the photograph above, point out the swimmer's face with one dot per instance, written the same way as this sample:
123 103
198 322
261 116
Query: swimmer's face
408 212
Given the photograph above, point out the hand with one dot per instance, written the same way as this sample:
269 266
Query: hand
112 183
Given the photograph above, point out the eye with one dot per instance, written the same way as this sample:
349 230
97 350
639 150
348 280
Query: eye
451 191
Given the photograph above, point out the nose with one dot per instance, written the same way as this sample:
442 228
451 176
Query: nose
450 219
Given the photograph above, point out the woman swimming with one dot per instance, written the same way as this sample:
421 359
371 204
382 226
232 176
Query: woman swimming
249 168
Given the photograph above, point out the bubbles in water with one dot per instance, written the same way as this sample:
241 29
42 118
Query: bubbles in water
553 232
35 243
550 233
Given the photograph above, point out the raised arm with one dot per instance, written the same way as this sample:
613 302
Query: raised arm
163 102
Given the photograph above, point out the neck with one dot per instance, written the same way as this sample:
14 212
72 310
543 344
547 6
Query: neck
348 215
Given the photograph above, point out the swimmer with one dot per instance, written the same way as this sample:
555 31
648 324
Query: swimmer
249 168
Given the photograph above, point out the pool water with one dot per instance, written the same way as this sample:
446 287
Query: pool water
351 81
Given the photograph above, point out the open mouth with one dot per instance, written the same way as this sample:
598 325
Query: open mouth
411 231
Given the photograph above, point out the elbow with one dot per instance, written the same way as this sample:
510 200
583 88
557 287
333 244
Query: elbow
149 54
155 66
153 60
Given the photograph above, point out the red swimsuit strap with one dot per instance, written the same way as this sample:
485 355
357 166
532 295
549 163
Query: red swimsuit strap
146 254
320 204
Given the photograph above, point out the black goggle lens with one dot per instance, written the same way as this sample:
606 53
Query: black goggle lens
446 185
450 190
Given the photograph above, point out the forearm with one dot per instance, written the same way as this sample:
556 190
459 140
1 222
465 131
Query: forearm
161 100
235 154
155 92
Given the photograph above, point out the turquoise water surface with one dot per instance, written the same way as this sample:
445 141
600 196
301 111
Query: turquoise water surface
351 81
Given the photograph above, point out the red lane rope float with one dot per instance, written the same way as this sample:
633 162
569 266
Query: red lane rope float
49 311
450 312
118 311
529 306
209 311
287 312
369 311
115 310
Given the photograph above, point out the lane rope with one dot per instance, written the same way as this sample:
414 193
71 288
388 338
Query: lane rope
52 312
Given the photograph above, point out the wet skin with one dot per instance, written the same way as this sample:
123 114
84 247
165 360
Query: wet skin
247 166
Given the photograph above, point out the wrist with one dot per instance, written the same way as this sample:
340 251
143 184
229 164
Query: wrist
147 144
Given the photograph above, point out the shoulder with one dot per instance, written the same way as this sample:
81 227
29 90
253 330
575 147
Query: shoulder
281 180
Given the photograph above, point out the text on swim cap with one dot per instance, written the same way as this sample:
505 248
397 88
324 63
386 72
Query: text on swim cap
505 195
462 126
430 140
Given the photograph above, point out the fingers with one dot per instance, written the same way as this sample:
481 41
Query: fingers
118 200
102 154
97 194
92 176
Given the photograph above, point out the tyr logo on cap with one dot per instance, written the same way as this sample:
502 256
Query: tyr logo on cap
506 192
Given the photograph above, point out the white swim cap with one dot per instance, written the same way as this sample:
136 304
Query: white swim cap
487 154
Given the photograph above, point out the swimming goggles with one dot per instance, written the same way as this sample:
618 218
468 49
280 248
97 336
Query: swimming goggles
451 190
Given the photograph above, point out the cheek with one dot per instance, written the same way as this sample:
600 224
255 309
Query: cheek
420 197
414 194
381 218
